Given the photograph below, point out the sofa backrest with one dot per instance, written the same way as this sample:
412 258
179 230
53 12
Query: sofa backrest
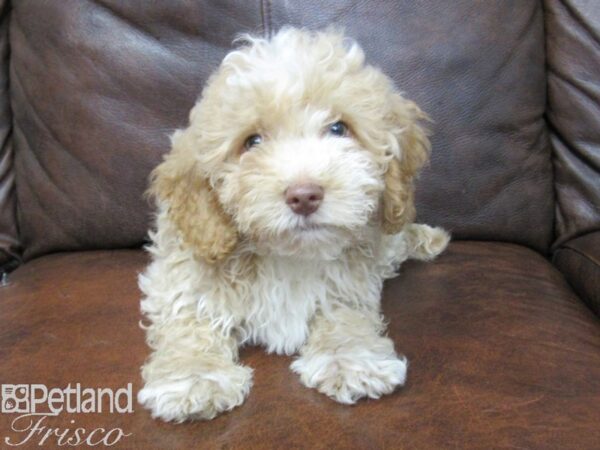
97 87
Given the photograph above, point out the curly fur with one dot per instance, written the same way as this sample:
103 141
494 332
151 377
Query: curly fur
232 264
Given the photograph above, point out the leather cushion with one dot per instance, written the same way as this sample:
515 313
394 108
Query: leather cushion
98 86
97 89
573 46
502 355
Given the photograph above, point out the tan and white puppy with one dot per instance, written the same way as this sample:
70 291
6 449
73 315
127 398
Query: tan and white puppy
281 209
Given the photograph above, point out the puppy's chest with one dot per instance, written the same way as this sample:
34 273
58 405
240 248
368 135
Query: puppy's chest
283 298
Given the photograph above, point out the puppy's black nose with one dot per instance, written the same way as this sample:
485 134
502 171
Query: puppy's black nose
304 198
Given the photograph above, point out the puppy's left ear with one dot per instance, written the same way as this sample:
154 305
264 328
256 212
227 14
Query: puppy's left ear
410 148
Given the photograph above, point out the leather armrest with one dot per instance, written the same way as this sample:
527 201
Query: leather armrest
579 260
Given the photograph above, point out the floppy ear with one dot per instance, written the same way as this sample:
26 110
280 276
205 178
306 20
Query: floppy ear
193 206
410 150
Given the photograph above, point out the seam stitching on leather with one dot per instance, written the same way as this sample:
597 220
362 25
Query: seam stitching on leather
580 253
265 13
269 22
262 17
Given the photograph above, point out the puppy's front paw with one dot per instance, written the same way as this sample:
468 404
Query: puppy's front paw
198 396
346 379
426 242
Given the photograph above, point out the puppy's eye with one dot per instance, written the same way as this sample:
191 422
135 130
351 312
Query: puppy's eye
338 128
252 141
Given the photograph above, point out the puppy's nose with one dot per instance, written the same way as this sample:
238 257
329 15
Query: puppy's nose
305 198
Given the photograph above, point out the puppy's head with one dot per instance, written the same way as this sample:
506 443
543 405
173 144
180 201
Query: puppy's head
295 145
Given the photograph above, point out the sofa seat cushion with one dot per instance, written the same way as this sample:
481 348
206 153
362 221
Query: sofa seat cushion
502 354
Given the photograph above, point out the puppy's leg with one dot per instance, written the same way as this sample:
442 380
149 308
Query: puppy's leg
425 242
347 358
192 372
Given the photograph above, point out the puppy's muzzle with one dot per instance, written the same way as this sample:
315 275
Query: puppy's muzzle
305 198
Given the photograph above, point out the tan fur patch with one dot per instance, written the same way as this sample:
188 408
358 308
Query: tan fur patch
193 206
398 197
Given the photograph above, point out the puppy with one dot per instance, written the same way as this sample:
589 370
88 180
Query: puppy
282 208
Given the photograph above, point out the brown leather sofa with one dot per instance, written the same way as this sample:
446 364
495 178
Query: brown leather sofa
501 331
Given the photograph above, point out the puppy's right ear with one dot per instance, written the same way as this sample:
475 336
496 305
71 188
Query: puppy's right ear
193 206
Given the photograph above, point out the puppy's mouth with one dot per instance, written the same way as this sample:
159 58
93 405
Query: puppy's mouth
308 227
326 234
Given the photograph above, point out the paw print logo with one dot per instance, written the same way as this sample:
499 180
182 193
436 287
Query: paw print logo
15 398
